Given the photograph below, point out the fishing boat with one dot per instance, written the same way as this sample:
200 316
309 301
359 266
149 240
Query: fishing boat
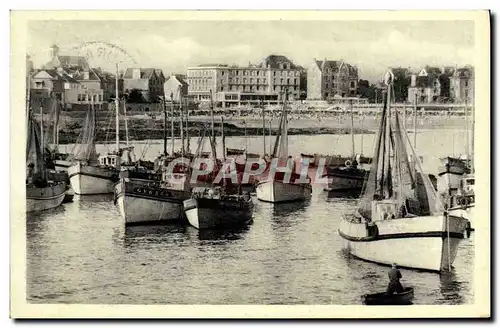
151 196
400 217
350 176
91 173
212 207
404 298
41 192
216 206
274 188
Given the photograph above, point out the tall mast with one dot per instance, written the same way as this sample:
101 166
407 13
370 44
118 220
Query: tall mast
212 143
188 146
264 128
212 115
117 104
415 120
223 139
41 134
352 130
181 121
164 125
126 121
172 122
362 132
466 115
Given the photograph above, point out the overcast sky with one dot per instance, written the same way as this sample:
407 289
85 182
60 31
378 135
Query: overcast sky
372 46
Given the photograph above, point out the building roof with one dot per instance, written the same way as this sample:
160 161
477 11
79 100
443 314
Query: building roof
62 76
335 65
73 61
146 73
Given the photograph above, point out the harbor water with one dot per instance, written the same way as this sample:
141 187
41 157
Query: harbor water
81 252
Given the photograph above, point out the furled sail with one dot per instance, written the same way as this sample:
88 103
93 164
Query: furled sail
34 154
85 149
393 175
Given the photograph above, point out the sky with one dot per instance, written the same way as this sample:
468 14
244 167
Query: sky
372 46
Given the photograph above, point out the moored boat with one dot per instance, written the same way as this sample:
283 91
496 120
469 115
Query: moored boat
211 207
400 217
276 187
403 298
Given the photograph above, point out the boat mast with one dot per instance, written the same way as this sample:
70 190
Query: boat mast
188 146
117 104
126 121
164 125
415 120
214 154
352 130
181 123
362 133
172 121
41 134
223 151
466 115
264 129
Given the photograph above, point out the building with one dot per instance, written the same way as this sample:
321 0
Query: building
176 87
85 82
253 84
462 85
442 85
56 83
149 82
329 78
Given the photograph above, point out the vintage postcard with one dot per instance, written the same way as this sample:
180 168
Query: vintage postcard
250 164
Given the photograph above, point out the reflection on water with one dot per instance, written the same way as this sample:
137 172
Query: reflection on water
291 253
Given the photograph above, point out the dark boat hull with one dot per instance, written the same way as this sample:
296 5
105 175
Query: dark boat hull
404 298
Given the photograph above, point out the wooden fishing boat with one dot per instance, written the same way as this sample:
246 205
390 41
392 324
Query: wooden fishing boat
275 188
400 217
404 298
212 208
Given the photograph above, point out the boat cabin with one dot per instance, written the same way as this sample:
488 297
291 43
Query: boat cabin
386 209
467 185
110 159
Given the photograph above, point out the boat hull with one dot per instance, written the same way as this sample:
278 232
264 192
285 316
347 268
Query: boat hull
279 192
40 199
92 180
403 298
345 180
211 214
138 205
418 243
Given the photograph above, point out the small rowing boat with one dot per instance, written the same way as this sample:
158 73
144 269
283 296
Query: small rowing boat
403 298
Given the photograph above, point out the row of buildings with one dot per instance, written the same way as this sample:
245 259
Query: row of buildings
442 85
74 82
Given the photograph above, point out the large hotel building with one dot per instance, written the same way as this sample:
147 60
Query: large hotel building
264 83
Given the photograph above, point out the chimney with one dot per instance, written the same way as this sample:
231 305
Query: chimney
86 75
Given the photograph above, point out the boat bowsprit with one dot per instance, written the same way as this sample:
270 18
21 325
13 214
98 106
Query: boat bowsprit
404 298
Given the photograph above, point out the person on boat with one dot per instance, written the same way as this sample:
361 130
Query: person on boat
394 284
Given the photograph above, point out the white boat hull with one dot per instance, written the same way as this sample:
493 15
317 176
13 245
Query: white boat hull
140 210
419 243
137 207
279 192
91 180
41 199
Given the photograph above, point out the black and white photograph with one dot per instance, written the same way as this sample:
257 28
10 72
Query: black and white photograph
249 158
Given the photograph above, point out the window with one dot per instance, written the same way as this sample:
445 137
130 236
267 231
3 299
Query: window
287 81
274 73
326 85
281 80
221 88
222 73
230 80
244 81
258 81
251 80
296 81
237 81
352 84
257 73
264 81
284 66
466 83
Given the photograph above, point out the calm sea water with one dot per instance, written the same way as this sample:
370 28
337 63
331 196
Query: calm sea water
81 252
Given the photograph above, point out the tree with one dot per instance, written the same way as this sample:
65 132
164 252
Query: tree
363 88
402 81
134 96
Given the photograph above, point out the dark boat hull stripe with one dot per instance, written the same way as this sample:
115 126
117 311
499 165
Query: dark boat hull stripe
94 176
150 197
427 234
